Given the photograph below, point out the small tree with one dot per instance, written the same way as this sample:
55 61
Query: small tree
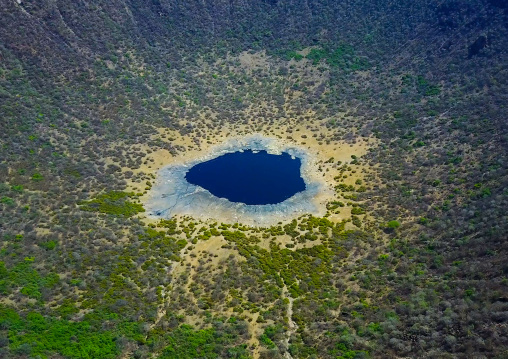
393 224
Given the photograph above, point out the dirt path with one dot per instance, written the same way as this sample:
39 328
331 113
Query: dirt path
291 323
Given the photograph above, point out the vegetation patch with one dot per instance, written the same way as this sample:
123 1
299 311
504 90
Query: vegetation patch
115 203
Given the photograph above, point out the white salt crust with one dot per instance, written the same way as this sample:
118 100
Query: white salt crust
172 195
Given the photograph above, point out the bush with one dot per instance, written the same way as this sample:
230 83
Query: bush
114 203
393 224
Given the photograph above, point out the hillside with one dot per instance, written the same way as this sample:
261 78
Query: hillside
403 104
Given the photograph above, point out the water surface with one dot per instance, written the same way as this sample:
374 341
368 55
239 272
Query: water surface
253 178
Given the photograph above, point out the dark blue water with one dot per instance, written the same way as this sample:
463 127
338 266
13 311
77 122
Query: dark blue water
250 178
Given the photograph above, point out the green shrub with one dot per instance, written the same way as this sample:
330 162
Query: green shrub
357 210
42 337
7 200
37 177
49 245
393 224
115 203
187 343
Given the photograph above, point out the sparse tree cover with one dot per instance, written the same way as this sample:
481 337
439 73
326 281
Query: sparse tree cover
411 258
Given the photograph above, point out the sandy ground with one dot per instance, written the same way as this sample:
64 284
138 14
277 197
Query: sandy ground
300 136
